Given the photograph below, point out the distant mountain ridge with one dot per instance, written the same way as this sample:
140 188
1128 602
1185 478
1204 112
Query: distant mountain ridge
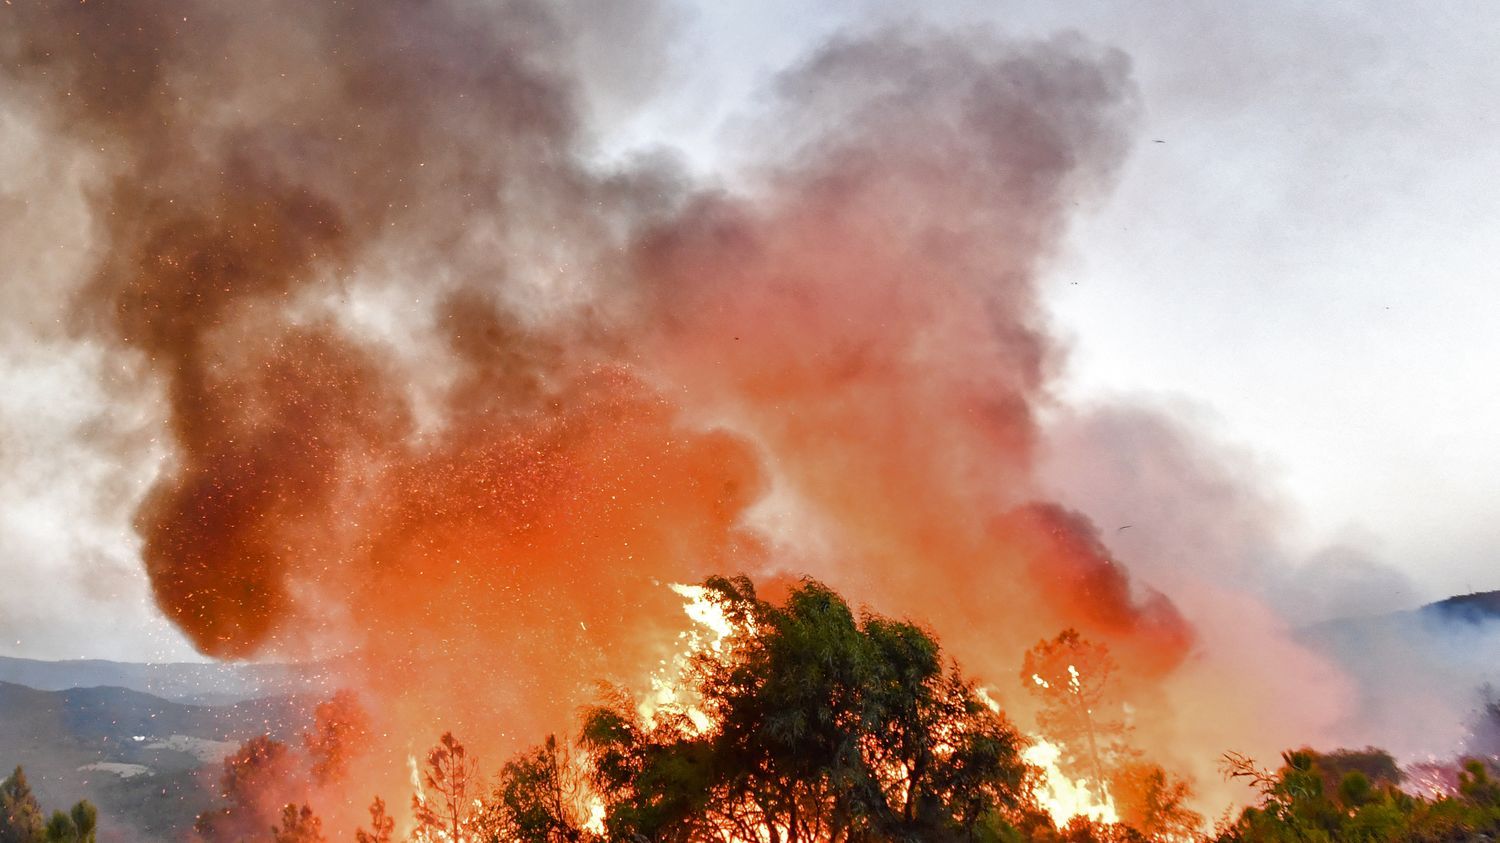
1478 607
142 741
185 682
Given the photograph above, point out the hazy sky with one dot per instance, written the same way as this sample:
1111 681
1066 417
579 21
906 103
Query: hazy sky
1307 257
1300 265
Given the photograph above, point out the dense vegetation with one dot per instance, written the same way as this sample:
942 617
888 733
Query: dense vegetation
825 727
811 722
1354 796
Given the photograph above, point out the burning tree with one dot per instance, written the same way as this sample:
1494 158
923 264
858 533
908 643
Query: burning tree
821 726
443 807
298 826
382 825
1153 802
1071 678
541 797
340 728
253 782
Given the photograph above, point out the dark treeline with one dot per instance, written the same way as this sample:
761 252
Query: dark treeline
813 722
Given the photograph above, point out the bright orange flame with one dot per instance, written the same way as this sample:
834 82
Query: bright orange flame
1062 797
713 631
670 688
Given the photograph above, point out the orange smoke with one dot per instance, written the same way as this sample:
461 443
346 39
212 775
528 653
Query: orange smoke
449 406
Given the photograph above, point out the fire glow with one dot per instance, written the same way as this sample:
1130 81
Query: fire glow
712 635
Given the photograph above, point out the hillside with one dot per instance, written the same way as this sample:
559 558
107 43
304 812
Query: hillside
148 763
1460 617
1418 676
1480 607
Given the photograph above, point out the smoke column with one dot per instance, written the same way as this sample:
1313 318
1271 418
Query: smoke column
451 405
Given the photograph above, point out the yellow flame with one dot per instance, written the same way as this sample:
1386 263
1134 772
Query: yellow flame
1063 798
706 611
595 823
670 689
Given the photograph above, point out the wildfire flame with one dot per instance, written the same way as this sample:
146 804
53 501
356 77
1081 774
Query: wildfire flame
419 795
1062 797
713 631
669 685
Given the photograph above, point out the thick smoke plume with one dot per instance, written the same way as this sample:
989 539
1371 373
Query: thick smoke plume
448 405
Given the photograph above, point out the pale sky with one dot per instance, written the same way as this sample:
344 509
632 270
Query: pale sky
1307 258
1304 260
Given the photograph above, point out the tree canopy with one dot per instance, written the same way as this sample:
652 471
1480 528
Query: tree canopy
826 725
1297 803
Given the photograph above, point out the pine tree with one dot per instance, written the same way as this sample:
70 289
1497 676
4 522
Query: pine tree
382 825
298 826
60 829
85 820
20 815
340 728
443 808
1071 676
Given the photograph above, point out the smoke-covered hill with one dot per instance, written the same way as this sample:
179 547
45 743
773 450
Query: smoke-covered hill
149 763
1481 607
1420 676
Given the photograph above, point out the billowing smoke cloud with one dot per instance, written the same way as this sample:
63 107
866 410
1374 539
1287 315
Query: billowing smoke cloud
449 403
872 322
1201 520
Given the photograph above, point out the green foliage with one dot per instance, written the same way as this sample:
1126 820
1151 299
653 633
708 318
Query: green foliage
20 815
539 798
60 829
85 820
811 722
826 726
1364 807
1375 766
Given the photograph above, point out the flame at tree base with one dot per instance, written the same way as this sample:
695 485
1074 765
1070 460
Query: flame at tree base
674 704
1062 797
